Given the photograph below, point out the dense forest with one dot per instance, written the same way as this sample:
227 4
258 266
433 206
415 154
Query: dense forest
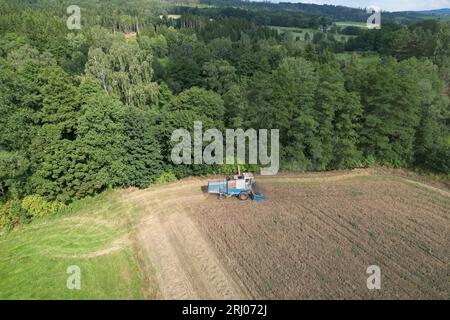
334 12
91 109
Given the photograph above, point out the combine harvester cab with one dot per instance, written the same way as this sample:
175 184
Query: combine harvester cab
241 186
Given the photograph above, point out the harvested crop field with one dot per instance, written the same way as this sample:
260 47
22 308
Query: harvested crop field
313 238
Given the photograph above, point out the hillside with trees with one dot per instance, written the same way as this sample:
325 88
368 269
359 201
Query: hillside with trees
88 110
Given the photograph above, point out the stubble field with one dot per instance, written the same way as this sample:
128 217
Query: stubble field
313 238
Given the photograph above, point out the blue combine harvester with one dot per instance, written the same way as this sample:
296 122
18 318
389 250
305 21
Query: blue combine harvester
240 185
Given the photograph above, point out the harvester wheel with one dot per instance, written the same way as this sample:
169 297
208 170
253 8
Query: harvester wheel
243 196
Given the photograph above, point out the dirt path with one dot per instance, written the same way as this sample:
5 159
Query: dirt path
183 264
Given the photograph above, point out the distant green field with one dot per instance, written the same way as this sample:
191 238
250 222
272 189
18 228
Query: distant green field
343 37
301 32
351 24
364 59
297 32
34 258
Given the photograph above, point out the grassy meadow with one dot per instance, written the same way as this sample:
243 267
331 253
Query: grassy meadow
344 24
92 234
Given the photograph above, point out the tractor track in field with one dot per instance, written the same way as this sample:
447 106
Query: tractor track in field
183 263
313 238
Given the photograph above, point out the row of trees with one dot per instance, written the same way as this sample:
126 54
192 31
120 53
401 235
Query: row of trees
273 17
66 137
335 116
